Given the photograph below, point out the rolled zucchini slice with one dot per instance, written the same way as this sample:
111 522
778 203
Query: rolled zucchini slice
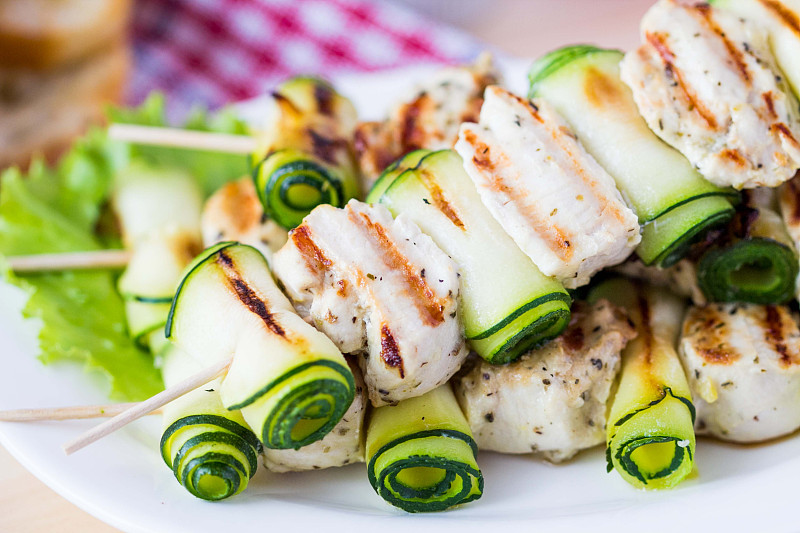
149 281
674 203
392 172
650 427
289 380
754 261
507 304
211 450
420 453
306 157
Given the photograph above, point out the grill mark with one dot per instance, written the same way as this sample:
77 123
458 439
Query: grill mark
644 328
574 338
324 97
556 240
438 199
247 295
313 256
372 147
390 352
733 155
770 103
788 17
657 41
711 345
325 148
285 104
241 208
431 308
773 334
527 104
781 128
735 54
600 91
412 137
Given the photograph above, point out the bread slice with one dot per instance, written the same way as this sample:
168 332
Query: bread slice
43 112
45 34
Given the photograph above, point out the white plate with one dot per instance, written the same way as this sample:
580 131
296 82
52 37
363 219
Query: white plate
123 480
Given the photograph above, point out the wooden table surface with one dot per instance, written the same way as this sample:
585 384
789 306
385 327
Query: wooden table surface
526 28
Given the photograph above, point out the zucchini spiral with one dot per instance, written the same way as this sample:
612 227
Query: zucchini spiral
754 260
650 427
421 455
306 158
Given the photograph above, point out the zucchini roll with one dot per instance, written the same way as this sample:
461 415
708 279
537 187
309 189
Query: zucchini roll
344 445
427 117
234 213
789 204
674 203
306 157
754 260
211 450
557 203
650 433
290 381
379 288
147 200
421 455
706 82
743 363
779 18
507 305
564 387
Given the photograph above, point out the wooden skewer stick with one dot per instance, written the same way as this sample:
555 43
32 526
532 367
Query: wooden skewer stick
69 261
179 138
141 409
78 412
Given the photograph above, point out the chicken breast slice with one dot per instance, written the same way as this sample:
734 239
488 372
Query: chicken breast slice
705 82
428 117
234 213
743 365
380 288
344 445
553 399
557 203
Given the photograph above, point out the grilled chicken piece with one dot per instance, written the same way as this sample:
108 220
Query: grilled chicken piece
681 278
553 399
428 118
705 81
234 213
380 288
557 203
344 445
743 365
789 202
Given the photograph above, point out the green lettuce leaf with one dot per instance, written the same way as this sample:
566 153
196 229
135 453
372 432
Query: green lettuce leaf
210 169
82 315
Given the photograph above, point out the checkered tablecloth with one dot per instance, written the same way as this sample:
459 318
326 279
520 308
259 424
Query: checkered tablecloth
212 52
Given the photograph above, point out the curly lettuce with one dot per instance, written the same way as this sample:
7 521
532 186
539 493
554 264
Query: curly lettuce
60 209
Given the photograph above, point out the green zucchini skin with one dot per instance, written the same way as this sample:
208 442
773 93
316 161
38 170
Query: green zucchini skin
650 426
507 304
674 203
755 261
290 381
421 456
392 172
306 158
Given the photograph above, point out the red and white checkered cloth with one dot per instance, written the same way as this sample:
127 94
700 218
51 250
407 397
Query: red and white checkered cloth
212 52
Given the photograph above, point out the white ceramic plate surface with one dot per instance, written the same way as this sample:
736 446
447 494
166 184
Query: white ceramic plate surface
123 481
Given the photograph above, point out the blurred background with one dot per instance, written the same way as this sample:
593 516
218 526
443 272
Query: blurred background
63 61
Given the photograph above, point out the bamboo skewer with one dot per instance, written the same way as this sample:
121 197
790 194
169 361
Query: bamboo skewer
78 412
141 409
69 261
179 138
